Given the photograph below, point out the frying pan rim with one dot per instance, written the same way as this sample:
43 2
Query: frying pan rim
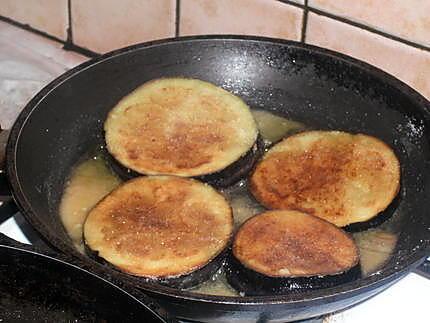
24 205
84 271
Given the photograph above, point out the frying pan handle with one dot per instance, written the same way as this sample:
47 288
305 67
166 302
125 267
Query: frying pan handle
7 205
7 208
9 242
6 241
423 269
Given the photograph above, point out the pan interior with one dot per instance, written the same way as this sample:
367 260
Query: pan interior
312 86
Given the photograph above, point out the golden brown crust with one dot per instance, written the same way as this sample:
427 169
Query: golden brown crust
293 244
337 176
160 226
179 126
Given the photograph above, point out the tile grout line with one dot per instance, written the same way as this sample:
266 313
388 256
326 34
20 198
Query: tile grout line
368 28
80 50
66 46
353 23
36 51
69 45
28 28
69 21
177 17
295 4
304 22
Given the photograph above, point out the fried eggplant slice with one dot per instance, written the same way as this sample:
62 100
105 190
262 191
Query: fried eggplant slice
340 177
178 126
161 227
283 251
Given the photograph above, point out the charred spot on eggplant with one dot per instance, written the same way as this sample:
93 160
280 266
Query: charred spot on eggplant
182 127
165 229
277 252
340 177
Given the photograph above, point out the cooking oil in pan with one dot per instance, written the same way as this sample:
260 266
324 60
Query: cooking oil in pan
273 128
376 247
92 179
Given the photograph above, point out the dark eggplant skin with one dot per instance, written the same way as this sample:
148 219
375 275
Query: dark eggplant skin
239 169
185 281
196 277
123 172
251 283
223 178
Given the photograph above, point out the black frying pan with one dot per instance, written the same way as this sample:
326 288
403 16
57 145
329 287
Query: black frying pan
36 287
320 88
